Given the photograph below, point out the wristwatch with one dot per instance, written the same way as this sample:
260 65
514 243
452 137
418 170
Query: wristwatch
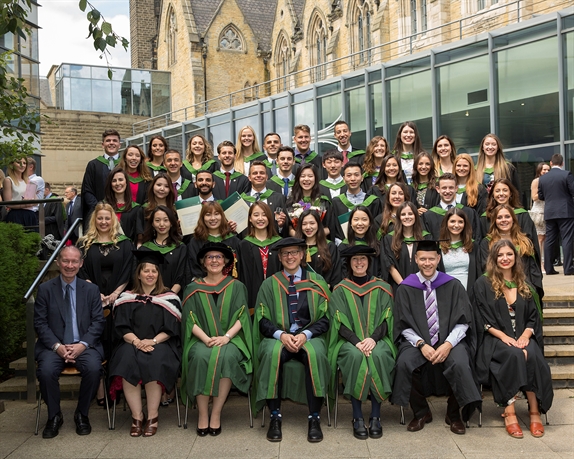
227 334
154 341
56 346
420 344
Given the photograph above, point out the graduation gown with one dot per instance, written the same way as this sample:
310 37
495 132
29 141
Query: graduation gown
480 206
376 265
175 269
321 205
195 245
474 266
362 309
276 184
504 367
334 275
433 220
326 188
405 264
237 183
273 308
146 316
156 169
215 309
93 185
140 196
431 197
457 370
341 205
189 172
131 221
251 265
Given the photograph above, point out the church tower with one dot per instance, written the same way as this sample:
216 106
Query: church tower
144 15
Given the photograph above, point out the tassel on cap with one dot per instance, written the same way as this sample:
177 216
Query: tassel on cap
308 259
234 273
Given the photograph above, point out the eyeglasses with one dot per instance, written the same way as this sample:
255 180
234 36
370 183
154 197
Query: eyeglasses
292 253
214 257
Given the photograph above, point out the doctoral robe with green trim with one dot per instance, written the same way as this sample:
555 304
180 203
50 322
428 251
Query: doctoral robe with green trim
362 309
215 309
273 304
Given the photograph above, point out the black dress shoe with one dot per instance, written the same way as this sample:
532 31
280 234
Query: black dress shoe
214 432
456 427
83 426
359 429
375 428
314 434
551 273
53 426
274 431
202 432
417 424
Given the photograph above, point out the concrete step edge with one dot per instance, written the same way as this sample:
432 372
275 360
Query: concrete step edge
558 330
559 350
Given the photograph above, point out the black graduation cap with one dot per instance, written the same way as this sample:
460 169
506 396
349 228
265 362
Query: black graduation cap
289 242
428 246
148 256
215 247
353 250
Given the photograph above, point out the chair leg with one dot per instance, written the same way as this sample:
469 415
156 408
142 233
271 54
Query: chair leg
336 404
480 419
263 415
185 418
249 407
113 424
177 406
38 413
107 403
546 416
328 412
402 416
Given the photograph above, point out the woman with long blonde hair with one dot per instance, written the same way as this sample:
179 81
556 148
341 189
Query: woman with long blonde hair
247 149
376 151
469 192
198 157
14 190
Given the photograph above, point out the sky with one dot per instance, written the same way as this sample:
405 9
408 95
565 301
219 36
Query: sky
64 28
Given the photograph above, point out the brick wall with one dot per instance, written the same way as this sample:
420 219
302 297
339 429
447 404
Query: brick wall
143 29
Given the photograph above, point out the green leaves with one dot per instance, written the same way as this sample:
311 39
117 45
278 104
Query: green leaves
83 5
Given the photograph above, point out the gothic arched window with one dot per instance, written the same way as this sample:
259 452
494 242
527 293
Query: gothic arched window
171 37
230 39
361 40
282 57
318 48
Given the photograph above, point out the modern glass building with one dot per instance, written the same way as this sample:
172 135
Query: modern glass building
130 91
517 82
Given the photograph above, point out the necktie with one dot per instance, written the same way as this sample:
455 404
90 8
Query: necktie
449 206
70 208
175 188
431 313
69 328
293 300
257 196
111 163
345 159
274 167
286 187
227 176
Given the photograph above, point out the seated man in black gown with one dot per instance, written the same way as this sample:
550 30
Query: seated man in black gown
436 341
69 321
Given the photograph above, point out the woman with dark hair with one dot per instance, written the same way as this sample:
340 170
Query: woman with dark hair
492 164
321 255
399 245
139 174
389 174
306 194
147 321
257 261
376 151
198 157
504 225
537 211
407 147
469 192
397 194
510 355
212 226
217 346
160 193
363 231
503 192
425 195
460 253
157 146
161 235
361 340
443 155
119 195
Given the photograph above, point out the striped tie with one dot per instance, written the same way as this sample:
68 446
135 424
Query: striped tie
293 300
432 313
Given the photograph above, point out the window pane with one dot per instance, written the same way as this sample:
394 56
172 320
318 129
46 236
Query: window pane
329 88
141 76
528 94
376 108
569 67
80 71
81 94
160 99
101 96
218 134
122 97
30 73
410 100
282 126
355 104
101 73
267 126
7 41
328 110
160 77
142 99
303 114
464 103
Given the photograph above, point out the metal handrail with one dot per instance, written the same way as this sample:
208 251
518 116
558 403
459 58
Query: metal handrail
31 201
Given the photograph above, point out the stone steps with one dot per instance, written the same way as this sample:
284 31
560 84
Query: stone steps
558 316
558 334
562 376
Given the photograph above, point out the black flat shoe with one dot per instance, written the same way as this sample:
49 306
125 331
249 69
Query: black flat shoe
53 425
83 426
359 429
214 432
101 401
202 432
375 428
274 431
314 434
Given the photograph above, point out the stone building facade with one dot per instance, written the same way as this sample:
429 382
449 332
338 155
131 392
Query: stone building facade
228 52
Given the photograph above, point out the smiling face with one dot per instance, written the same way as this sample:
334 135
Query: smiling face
353 178
443 148
212 219
214 262
157 148
490 146
161 223
133 159
427 262
161 188
462 168
204 183
307 180
302 141
447 191
392 168
504 221
19 166
227 157
333 167
111 145
258 218
545 169
380 149
424 166
272 144
501 193
455 225
148 275
103 221
360 223
119 183
172 161
408 136
291 258
286 161
359 265
343 135
247 138
396 196
309 226
258 176
505 258
407 217
197 146
70 261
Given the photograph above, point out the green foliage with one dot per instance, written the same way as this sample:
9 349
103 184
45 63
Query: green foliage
18 269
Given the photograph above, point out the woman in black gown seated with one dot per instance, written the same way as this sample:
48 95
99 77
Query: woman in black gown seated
147 320
510 355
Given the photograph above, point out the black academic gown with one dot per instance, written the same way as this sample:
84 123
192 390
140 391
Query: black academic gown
480 206
93 187
405 264
474 266
433 220
340 205
334 275
132 222
175 269
237 183
457 371
504 367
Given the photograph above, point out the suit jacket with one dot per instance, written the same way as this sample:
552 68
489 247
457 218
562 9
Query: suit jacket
54 218
556 189
239 183
50 315
76 213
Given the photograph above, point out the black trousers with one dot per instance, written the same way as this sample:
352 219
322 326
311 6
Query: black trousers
50 365
419 403
314 403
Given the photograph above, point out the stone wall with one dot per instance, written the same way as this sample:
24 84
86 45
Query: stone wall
72 138
143 30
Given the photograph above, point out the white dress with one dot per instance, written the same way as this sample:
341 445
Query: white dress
456 262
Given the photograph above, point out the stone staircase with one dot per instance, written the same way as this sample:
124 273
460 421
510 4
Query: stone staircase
559 340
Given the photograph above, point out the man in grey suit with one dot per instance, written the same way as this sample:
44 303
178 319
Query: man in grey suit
73 211
556 189
69 321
